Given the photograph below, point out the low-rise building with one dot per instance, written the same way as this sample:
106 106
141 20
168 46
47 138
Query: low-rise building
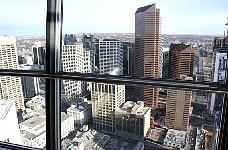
133 119
67 124
175 139
88 139
9 129
33 132
36 102
156 135
81 110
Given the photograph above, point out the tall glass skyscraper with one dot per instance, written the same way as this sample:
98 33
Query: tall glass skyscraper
147 50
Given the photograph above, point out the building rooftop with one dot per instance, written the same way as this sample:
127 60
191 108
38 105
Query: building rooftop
156 135
79 104
131 107
175 137
178 47
143 9
5 107
64 116
35 123
36 101
90 138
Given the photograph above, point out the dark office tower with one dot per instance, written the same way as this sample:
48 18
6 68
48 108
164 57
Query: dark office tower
69 39
181 59
91 44
39 54
30 87
128 58
147 50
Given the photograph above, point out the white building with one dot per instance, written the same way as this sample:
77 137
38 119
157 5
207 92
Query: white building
10 87
9 129
81 111
73 61
219 75
36 102
110 55
175 139
106 98
33 132
133 119
67 124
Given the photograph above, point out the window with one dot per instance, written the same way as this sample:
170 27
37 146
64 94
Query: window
68 87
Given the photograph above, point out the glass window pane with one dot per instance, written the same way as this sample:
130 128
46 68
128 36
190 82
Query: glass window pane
22 34
23 114
116 117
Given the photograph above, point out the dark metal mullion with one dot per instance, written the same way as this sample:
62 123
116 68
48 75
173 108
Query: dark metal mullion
12 146
135 81
53 44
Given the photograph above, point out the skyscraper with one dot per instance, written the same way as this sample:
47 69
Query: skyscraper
219 71
147 50
181 59
107 98
39 54
73 61
10 87
177 107
110 56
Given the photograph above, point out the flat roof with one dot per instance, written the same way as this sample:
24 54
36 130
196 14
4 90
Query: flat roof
131 107
156 134
5 107
35 122
176 136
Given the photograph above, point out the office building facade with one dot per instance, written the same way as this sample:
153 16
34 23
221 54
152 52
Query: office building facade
181 57
9 128
218 71
10 87
39 54
177 108
106 98
73 61
147 50
110 56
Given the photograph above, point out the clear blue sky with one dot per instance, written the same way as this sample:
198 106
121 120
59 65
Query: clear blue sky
27 17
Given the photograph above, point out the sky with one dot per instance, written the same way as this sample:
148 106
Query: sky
27 17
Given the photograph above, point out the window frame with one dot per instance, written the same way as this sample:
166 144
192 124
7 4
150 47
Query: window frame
53 75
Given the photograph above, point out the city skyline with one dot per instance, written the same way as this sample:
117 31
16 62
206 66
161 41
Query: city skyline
178 17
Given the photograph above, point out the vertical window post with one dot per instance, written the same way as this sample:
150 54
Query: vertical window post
53 44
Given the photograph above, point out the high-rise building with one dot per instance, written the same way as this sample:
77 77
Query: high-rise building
73 61
133 120
219 71
110 56
30 86
165 62
128 58
107 98
9 128
10 87
181 58
39 54
178 107
147 50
